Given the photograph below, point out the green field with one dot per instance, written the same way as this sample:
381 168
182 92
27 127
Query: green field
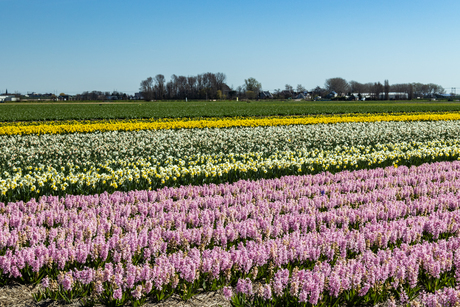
162 109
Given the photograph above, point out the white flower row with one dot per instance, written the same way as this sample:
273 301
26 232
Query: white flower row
86 150
148 173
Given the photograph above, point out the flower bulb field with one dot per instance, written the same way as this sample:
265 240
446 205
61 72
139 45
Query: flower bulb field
323 210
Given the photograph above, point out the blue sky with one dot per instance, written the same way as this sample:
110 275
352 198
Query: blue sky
76 45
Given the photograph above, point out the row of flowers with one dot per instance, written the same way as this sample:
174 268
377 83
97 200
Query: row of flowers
56 150
34 165
58 127
351 237
149 174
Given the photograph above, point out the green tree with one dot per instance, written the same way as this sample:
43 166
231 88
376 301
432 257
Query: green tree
251 84
250 94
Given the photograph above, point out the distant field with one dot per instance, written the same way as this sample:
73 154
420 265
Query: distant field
55 111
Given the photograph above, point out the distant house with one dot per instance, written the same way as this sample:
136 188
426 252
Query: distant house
226 90
361 96
352 97
4 98
286 94
303 95
331 95
265 95
138 96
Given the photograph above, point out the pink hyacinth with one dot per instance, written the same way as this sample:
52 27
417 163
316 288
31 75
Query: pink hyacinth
118 294
228 292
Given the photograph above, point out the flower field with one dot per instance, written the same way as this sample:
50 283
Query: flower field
320 211
89 163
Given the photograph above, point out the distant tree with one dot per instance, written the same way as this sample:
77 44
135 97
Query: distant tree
252 85
159 86
418 89
377 89
386 89
232 94
169 92
219 94
318 91
300 88
436 89
250 94
410 91
220 80
147 89
338 85
355 87
192 91
368 87
288 87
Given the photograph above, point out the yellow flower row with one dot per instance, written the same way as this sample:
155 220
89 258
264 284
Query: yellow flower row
59 127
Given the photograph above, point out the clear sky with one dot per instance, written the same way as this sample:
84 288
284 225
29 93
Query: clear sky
76 45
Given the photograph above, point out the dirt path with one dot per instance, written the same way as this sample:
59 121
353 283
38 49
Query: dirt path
17 295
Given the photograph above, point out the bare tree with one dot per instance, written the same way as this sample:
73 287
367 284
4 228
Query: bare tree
410 91
300 88
191 86
289 88
377 89
318 91
160 86
399 88
436 89
355 87
417 89
338 85
169 90
182 86
387 89
220 79
174 86
147 89
240 90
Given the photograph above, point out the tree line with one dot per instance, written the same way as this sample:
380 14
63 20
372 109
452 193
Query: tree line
202 86
98 95
413 90
212 86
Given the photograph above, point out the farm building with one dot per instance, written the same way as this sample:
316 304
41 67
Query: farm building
265 95
304 95
394 96
4 98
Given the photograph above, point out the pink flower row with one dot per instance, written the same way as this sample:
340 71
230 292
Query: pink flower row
179 233
388 269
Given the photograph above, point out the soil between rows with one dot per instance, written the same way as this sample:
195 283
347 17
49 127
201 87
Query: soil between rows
17 295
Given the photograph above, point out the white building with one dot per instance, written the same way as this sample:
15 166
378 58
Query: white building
4 98
394 96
